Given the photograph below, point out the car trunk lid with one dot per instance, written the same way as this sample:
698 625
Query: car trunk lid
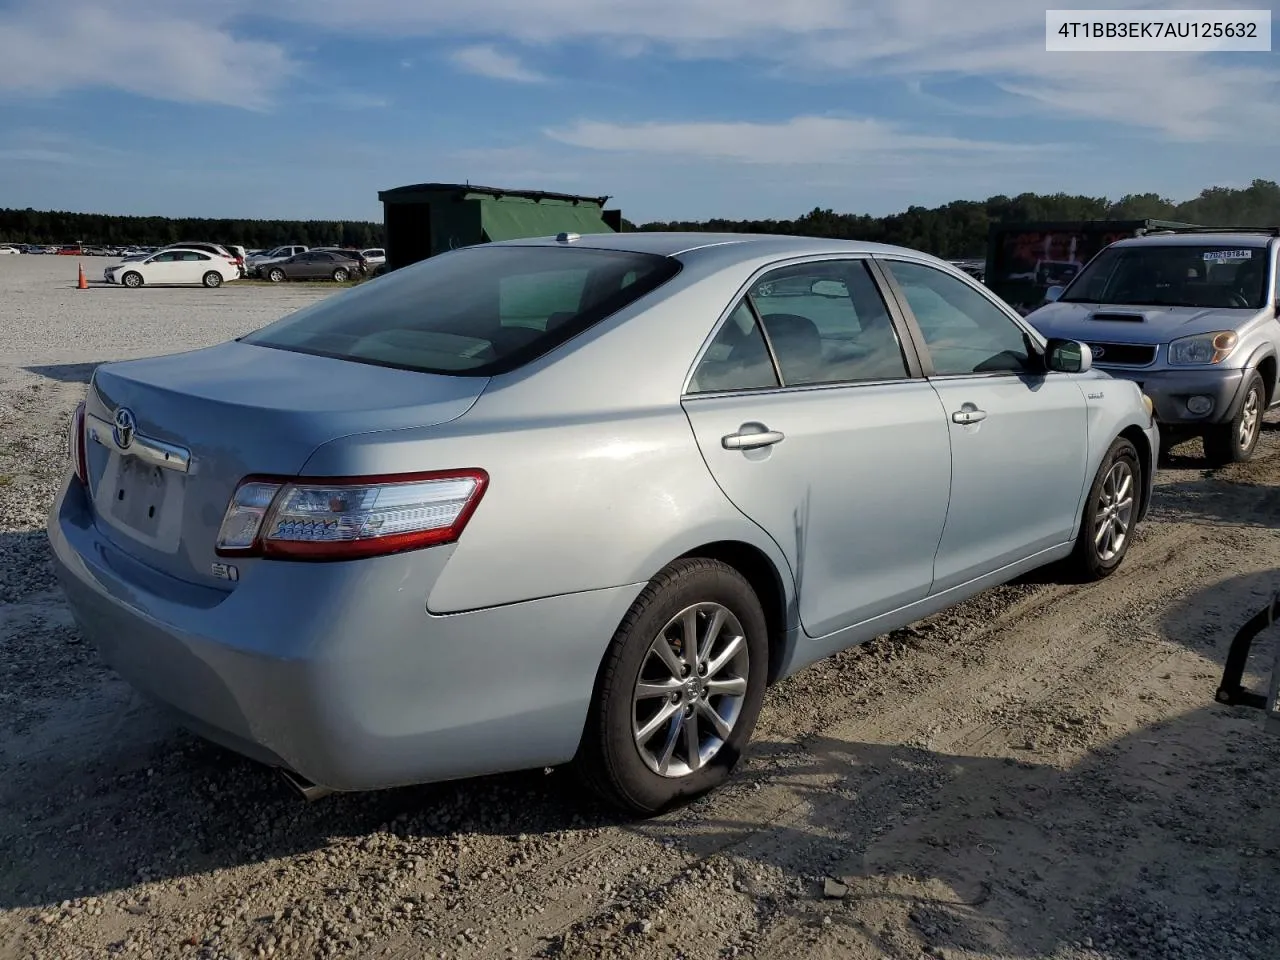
227 412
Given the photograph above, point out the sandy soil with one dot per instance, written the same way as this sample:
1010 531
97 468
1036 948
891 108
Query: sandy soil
1039 773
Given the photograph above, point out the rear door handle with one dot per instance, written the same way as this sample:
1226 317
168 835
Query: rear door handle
751 441
969 414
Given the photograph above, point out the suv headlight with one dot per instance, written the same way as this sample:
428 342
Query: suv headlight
1203 348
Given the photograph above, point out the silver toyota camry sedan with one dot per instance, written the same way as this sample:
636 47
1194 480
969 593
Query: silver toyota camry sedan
577 499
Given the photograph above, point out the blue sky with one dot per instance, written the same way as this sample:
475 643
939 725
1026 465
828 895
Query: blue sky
677 108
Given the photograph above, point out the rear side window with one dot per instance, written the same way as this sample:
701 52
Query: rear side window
737 359
479 311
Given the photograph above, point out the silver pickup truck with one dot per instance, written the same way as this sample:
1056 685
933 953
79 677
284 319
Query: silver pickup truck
1191 315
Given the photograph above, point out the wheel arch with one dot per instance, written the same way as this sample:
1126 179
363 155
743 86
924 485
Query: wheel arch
767 582
1267 367
1138 437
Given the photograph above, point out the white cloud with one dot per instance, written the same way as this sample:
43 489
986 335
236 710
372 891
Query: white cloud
204 53
800 141
1183 97
139 46
485 60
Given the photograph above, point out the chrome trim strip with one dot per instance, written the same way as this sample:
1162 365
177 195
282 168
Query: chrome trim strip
167 455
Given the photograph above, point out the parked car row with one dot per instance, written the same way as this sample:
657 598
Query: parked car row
295 262
73 249
248 262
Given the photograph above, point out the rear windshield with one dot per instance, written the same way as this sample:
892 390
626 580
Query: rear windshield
1175 275
474 312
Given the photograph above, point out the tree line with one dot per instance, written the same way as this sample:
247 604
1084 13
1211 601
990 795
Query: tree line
959 229
97 229
953 230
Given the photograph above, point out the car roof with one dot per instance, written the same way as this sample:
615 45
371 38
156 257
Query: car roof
1185 239
746 246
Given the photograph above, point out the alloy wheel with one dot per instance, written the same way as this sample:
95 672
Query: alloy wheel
1250 420
690 690
1114 513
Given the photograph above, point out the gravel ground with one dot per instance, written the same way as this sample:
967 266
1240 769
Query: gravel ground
1038 773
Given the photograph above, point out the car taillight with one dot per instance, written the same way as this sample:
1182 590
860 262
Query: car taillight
304 518
76 450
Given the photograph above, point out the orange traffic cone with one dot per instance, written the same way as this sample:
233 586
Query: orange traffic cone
83 283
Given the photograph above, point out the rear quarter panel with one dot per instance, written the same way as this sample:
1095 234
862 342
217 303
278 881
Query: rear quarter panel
571 505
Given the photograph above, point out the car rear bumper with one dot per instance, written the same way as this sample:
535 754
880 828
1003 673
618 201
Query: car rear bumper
336 671
1170 390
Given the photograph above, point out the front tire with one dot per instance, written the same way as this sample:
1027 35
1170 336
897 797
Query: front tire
132 279
276 275
212 279
679 691
1237 439
1110 516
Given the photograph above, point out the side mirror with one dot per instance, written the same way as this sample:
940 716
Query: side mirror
1053 293
1068 356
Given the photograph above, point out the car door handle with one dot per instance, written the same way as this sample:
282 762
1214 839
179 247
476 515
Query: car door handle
751 441
969 414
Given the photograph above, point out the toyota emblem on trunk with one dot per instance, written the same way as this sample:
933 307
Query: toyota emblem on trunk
122 432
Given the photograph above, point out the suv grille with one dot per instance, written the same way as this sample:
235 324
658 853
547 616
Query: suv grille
1123 354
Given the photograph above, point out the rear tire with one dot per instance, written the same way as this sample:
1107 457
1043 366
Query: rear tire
707 693
340 275
1237 439
276 275
132 279
1110 516
212 279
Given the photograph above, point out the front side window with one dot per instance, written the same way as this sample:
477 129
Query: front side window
965 332
477 311
827 323
1209 276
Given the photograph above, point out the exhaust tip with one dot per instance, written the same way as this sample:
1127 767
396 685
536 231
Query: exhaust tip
302 786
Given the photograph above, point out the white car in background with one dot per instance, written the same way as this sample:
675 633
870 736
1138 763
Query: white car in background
174 267
7 248
374 256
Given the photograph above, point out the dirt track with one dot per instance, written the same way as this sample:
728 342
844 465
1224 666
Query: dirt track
1041 772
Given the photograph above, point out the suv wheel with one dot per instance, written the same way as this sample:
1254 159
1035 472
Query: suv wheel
1235 440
